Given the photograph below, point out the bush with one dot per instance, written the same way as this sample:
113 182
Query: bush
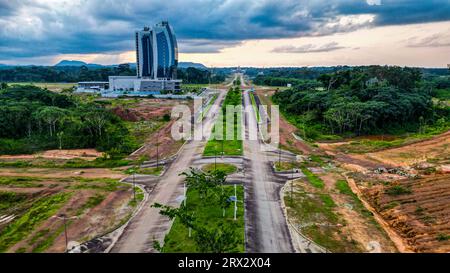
398 190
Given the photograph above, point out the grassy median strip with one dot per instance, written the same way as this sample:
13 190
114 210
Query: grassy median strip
255 107
224 167
206 110
208 214
225 146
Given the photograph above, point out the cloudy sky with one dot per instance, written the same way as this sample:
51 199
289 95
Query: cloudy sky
231 32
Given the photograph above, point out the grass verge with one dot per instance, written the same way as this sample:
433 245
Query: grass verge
226 168
209 215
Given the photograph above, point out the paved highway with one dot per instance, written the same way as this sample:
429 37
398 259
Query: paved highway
266 231
148 225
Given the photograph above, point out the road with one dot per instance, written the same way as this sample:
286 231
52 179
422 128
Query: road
148 225
266 231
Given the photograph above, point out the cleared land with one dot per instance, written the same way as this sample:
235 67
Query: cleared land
95 206
149 121
410 195
324 209
52 86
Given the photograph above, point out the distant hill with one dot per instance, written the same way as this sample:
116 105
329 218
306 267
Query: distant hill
76 63
191 64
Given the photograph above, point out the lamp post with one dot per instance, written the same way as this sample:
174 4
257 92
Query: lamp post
215 158
279 155
64 217
292 180
157 150
235 201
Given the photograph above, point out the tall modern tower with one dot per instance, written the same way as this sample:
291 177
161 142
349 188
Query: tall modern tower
157 52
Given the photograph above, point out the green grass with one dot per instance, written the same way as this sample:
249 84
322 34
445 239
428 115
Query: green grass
139 197
52 86
232 147
20 182
367 145
209 215
92 201
151 171
206 110
442 237
46 239
72 163
10 199
343 188
255 107
398 190
312 178
227 168
102 184
40 211
316 211
286 166
142 130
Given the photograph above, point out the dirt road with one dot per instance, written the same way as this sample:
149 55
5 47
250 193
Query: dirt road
149 225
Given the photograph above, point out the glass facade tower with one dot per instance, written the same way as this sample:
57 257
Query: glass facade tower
157 52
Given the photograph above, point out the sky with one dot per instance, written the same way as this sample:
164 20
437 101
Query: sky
218 33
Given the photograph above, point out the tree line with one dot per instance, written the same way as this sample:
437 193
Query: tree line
33 119
363 100
84 73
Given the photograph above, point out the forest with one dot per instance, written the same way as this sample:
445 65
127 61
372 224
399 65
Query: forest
34 119
83 73
366 100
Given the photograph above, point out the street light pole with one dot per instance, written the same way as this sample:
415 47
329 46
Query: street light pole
134 185
292 180
279 155
184 189
64 218
235 201
215 158
157 150
65 229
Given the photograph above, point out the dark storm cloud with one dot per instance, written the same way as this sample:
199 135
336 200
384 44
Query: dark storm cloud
32 29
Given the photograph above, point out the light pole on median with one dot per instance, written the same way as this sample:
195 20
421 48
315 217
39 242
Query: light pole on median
235 202
279 156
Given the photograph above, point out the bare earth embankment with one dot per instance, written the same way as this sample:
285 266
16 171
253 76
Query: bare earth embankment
408 187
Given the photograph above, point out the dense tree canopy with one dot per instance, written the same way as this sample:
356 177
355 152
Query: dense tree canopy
363 101
33 119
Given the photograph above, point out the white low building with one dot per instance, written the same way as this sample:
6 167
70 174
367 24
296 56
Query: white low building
135 84
92 87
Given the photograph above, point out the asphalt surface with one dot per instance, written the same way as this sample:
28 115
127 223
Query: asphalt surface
148 225
266 228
